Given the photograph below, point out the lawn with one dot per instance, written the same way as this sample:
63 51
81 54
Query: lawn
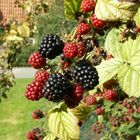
15 113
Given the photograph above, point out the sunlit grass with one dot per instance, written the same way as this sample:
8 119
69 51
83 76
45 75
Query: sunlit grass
15 113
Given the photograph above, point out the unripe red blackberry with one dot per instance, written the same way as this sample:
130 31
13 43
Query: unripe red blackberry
42 76
93 99
35 134
97 127
70 50
90 100
85 74
109 94
83 28
34 91
37 114
36 60
87 5
51 46
31 135
97 23
100 110
73 99
56 87
80 49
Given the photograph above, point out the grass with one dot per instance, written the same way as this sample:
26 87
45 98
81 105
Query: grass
15 113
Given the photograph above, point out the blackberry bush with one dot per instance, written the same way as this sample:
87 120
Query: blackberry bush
96 75
51 46
85 74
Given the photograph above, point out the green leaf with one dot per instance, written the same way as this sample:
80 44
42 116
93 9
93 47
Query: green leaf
126 66
71 7
108 69
108 105
129 72
137 18
112 42
82 111
110 10
128 128
64 125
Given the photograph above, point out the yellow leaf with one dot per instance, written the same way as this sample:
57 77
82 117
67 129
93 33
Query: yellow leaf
28 6
13 32
110 10
13 38
137 18
24 30
81 111
64 125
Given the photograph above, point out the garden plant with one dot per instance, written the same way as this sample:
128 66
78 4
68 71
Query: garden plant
15 36
91 74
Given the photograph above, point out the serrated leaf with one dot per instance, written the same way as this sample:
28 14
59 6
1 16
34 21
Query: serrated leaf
112 42
108 69
137 18
126 67
64 125
50 136
71 7
129 72
110 10
24 30
81 111
60 106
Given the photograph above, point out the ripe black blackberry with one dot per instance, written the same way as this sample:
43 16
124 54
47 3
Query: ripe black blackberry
85 74
56 87
51 46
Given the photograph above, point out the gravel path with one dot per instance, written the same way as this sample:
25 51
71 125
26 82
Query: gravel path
24 72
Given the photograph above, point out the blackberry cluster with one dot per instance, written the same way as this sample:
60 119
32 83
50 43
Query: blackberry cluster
56 87
85 74
51 46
